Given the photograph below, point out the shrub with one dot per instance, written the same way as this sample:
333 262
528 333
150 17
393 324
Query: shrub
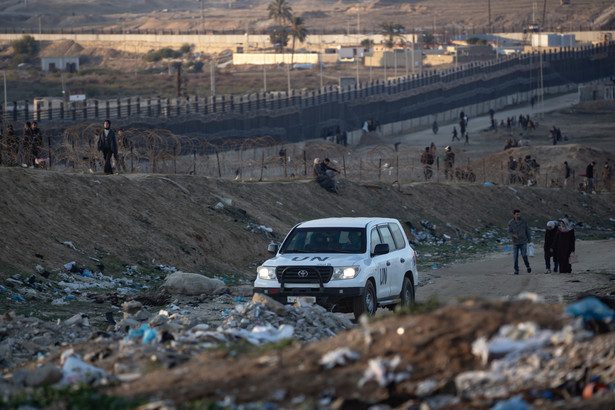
476 41
24 49
26 45
160 54
185 48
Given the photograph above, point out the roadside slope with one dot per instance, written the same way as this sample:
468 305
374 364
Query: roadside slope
213 226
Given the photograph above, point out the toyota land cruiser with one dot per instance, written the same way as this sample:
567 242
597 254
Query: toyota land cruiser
344 264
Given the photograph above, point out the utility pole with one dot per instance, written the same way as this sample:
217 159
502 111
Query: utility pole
202 18
489 11
5 99
179 80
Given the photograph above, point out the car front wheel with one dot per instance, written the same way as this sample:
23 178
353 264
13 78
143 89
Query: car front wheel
366 303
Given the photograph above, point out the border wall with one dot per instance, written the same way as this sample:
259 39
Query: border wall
398 105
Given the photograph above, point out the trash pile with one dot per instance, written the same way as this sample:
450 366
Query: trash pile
126 349
520 365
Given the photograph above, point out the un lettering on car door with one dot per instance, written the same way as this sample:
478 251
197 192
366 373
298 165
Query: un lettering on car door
383 277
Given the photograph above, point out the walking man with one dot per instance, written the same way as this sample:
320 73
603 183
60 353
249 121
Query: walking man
589 174
455 136
107 144
427 161
606 176
520 235
566 174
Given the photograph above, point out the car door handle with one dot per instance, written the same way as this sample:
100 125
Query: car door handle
402 260
388 263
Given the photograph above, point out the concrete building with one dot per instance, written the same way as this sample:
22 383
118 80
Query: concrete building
553 40
595 92
70 64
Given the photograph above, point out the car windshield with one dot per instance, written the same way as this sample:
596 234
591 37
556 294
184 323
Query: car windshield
325 240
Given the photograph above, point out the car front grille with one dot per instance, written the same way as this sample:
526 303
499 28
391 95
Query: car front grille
304 274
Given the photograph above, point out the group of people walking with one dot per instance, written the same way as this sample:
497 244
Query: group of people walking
25 151
559 244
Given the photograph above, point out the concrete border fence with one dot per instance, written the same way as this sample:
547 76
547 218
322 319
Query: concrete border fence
301 115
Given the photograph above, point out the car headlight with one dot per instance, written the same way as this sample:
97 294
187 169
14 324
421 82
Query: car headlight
345 272
266 272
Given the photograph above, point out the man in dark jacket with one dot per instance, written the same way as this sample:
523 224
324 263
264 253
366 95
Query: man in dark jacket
325 175
107 144
37 143
589 174
520 235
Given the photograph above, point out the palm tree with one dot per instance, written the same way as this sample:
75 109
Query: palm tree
280 11
392 31
298 32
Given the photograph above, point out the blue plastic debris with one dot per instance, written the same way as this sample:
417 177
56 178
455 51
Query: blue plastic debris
69 297
240 300
86 273
434 266
18 298
488 184
144 331
506 248
591 308
148 336
514 403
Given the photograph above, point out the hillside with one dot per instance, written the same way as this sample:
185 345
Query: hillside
199 224
461 15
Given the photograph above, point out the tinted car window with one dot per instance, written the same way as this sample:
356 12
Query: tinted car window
343 240
397 236
375 239
387 237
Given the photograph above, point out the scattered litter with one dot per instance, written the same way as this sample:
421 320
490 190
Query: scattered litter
77 372
591 308
72 246
338 357
382 372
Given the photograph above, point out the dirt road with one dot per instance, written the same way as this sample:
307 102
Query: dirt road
492 277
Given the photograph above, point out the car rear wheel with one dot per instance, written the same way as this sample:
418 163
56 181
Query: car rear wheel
407 292
366 303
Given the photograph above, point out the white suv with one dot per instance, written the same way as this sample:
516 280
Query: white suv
343 264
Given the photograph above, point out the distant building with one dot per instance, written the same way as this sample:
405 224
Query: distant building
553 40
604 91
350 53
70 64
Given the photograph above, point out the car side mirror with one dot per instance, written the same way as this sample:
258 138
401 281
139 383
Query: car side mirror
381 249
273 247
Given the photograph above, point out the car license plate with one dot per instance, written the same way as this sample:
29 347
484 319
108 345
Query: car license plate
293 299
